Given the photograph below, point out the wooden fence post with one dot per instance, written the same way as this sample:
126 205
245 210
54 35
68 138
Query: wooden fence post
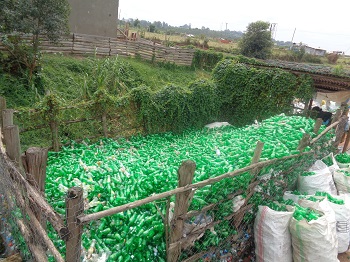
347 140
74 208
317 125
104 124
109 45
73 38
336 116
304 142
250 191
7 117
54 132
34 162
2 107
13 146
257 152
182 202
340 130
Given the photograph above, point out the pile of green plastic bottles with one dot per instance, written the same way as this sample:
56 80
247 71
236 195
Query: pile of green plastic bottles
330 198
343 158
309 214
308 173
345 172
115 172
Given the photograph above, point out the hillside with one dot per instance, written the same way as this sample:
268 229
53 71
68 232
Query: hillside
73 78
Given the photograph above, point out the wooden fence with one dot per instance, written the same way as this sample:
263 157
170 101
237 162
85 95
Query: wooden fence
23 179
81 44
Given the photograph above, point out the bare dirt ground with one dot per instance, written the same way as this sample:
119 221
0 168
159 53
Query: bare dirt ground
344 257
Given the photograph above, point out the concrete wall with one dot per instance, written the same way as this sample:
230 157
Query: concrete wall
94 17
315 51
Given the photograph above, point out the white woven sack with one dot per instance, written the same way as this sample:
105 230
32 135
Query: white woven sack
342 217
342 181
271 235
289 195
315 240
321 181
335 165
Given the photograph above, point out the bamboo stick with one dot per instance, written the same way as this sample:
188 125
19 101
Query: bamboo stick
2 107
324 132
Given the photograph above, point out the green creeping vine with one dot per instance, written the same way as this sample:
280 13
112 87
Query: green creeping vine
176 108
248 93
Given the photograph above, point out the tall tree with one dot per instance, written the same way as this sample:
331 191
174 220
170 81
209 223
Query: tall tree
35 17
256 41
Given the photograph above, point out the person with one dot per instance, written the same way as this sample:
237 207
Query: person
326 116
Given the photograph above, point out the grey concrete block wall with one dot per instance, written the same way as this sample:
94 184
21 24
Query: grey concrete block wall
94 17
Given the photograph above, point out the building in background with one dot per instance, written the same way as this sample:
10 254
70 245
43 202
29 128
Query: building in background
94 17
308 49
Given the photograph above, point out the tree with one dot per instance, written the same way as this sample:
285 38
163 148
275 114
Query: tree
39 17
137 23
256 41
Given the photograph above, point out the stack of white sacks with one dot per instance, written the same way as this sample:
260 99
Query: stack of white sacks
280 237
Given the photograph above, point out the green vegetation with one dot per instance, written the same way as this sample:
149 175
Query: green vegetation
257 41
157 98
248 93
41 17
76 79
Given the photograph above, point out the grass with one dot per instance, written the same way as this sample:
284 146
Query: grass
75 79
213 43
71 78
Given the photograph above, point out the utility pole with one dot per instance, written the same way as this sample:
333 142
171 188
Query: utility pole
293 34
273 30
292 39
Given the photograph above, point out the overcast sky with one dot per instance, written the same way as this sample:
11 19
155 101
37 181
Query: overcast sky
319 24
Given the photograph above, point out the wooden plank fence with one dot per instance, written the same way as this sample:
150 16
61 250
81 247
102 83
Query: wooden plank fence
25 179
81 44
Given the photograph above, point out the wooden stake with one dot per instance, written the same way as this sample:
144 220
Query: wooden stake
336 116
104 124
13 147
340 130
55 140
257 152
346 143
317 125
166 227
185 177
35 164
304 142
7 117
74 208
36 161
2 107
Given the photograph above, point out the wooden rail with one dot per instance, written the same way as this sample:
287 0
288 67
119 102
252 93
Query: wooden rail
81 44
